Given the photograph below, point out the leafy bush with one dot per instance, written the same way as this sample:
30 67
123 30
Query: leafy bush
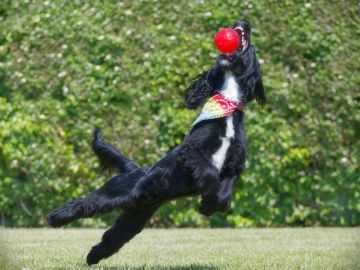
68 66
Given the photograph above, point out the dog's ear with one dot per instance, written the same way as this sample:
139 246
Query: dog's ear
259 92
199 90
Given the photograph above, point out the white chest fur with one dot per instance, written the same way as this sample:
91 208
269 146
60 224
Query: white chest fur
218 158
229 91
230 88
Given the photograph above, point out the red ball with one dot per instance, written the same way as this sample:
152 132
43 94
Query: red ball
227 40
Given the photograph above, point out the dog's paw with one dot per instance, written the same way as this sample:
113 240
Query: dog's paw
91 259
95 255
65 214
55 220
207 207
205 211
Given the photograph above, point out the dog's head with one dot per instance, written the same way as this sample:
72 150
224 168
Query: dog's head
242 63
230 60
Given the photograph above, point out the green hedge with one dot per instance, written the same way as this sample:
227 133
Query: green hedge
68 66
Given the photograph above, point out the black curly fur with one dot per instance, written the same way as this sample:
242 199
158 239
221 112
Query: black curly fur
109 157
188 170
130 223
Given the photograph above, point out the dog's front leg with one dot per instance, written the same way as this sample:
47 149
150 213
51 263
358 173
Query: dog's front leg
207 180
205 175
221 200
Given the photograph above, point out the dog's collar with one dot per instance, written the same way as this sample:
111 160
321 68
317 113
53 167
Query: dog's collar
218 106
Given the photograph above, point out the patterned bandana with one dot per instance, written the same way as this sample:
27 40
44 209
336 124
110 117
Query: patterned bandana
216 107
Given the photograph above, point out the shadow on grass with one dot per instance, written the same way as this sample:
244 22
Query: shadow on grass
126 267
190 267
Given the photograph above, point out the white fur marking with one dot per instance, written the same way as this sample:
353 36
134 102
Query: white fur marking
230 88
230 92
218 158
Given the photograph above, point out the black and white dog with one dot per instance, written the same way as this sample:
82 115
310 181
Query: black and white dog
208 162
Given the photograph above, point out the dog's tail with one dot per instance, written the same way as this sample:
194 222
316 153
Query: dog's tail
110 158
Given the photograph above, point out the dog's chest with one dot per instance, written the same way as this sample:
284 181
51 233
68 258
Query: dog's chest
230 91
230 88
218 158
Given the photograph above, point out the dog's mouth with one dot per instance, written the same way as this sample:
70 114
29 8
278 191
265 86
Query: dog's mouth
227 58
243 39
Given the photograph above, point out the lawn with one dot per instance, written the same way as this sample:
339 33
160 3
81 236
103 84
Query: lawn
179 249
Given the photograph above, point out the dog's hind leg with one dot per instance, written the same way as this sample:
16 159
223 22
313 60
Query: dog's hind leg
115 193
110 158
130 223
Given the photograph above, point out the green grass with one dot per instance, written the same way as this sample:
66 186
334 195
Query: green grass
178 249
